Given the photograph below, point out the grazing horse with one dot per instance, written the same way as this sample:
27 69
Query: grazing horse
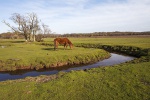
64 41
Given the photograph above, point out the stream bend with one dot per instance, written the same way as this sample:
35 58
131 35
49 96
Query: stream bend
113 60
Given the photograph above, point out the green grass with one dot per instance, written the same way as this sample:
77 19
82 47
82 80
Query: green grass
121 82
126 41
135 46
137 42
128 81
31 55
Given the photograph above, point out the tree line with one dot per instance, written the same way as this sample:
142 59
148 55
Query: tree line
100 34
39 36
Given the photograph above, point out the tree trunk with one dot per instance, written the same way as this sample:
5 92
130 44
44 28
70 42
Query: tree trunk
33 36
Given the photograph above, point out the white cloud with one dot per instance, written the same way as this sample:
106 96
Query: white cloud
69 16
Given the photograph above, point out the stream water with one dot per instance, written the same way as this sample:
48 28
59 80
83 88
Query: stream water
113 60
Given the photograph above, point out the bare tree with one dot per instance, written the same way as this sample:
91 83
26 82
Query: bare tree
46 29
34 24
28 25
13 28
23 26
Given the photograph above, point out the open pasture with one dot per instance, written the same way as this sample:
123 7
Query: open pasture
126 41
21 55
127 81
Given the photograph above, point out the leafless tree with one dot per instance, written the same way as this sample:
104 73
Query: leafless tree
34 24
22 23
45 29
28 25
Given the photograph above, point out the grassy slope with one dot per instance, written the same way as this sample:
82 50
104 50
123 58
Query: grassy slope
122 82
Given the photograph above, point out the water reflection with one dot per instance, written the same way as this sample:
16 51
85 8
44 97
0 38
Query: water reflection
113 60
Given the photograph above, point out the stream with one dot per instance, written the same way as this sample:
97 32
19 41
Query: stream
113 60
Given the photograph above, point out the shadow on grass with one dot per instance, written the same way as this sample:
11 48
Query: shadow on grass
11 41
17 41
49 49
52 49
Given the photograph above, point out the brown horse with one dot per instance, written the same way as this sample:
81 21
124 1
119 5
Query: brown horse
64 41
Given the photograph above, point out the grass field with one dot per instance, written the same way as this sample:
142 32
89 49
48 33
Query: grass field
137 41
33 56
128 81
121 82
126 41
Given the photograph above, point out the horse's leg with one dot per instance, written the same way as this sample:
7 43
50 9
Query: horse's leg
54 45
57 45
65 45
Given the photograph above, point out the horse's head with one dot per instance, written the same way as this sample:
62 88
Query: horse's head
71 46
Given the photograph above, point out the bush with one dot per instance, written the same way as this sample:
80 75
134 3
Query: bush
39 38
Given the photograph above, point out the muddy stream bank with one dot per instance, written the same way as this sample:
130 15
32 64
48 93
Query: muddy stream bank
113 60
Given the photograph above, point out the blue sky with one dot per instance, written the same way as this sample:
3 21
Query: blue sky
82 16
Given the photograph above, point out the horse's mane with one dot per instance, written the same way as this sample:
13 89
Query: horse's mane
68 41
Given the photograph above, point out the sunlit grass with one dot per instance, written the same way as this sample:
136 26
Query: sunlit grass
137 42
32 55
128 81
120 82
